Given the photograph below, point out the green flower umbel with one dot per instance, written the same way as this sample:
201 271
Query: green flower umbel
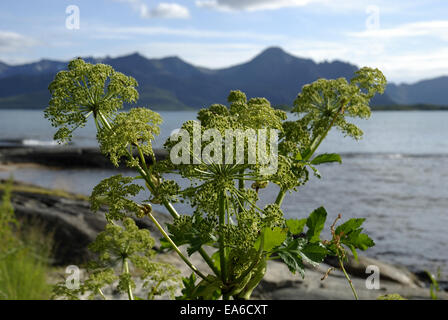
83 90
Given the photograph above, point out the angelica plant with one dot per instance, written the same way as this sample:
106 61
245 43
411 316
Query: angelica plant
226 227
124 247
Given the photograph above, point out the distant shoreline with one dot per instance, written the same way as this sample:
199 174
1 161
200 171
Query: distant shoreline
418 107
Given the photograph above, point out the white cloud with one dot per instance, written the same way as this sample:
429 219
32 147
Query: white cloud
169 11
13 42
252 5
340 6
162 10
437 28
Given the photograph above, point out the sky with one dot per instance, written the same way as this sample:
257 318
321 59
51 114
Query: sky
406 39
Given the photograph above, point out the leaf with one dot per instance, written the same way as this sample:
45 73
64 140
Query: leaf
326 158
209 289
189 287
295 226
290 253
360 241
316 172
351 236
315 224
272 238
314 253
293 262
350 225
298 156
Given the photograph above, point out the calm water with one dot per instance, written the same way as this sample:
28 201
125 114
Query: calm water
396 177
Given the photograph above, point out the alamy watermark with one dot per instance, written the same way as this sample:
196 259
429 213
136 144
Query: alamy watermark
373 280
72 280
373 24
373 17
72 21
230 148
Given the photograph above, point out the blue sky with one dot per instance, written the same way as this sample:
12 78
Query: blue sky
407 40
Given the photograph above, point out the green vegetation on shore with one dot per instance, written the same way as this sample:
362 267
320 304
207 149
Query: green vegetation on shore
24 255
21 187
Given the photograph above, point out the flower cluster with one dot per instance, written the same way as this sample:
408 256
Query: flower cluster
85 89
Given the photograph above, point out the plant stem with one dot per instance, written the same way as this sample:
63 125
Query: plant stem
341 263
222 250
209 261
104 121
280 197
167 237
241 188
318 140
102 294
126 271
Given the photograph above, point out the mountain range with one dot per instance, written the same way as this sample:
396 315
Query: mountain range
172 84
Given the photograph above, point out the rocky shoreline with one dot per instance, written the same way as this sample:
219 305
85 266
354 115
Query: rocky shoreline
74 226
61 156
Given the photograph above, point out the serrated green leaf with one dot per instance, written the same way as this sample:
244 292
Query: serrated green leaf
351 236
354 252
272 238
290 253
314 253
315 224
360 241
326 157
293 262
295 226
350 225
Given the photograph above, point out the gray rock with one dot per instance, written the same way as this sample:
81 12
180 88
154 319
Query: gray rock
388 271
71 222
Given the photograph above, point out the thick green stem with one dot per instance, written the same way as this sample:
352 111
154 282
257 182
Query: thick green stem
280 197
341 263
126 271
222 249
